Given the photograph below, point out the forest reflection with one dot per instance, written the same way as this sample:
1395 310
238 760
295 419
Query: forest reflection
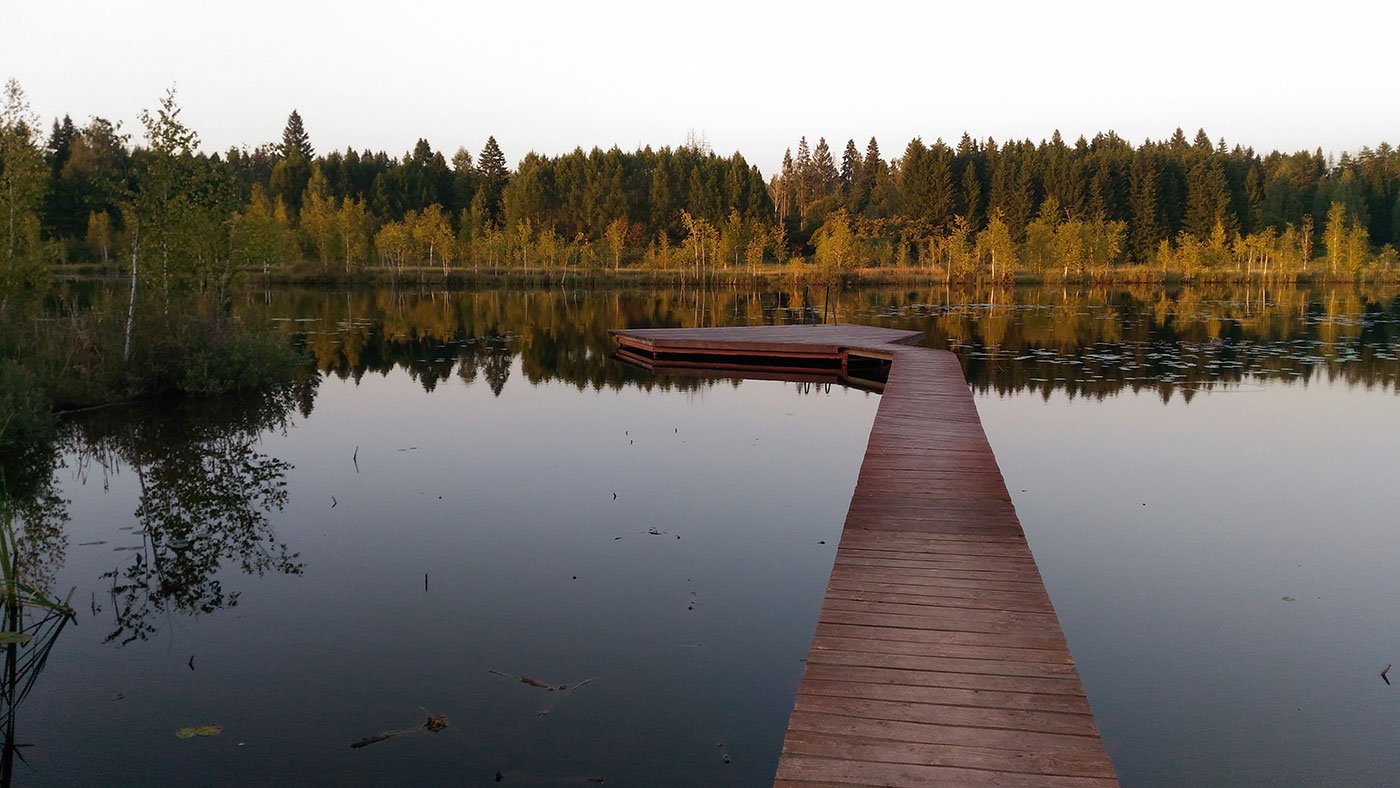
1086 342
205 495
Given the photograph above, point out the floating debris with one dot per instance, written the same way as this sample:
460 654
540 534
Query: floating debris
199 730
560 690
434 724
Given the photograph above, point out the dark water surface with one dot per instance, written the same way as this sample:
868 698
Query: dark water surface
1207 480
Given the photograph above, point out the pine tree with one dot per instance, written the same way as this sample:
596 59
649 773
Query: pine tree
1253 218
871 168
1147 231
972 194
805 180
1207 199
926 180
787 183
872 161
850 166
295 141
493 175
62 210
824 169
60 144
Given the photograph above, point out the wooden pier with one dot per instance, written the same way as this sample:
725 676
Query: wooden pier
937 658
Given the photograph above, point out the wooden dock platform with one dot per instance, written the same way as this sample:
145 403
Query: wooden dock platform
937 657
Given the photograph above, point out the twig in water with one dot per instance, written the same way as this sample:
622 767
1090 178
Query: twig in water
356 459
560 689
435 723
1384 671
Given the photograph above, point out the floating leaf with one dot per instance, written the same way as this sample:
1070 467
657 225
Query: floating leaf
6 638
200 730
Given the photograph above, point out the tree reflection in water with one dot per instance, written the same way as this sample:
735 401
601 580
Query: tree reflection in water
1085 341
205 495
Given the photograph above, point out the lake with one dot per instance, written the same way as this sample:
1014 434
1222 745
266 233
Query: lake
471 499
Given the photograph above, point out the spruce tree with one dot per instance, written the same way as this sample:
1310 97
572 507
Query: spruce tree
805 179
1207 199
295 141
492 176
60 144
972 194
872 157
787 182
1146 230
850 166
824 169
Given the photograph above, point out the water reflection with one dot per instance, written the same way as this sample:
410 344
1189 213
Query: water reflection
529 574
31 619
1091 342
205 496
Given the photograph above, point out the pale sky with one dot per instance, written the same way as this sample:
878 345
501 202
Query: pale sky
751 76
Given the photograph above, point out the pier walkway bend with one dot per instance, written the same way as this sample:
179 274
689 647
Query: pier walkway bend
937 658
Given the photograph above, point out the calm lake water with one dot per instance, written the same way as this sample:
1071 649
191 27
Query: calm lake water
470 492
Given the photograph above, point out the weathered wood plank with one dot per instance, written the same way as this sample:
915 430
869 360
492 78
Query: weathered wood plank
966 756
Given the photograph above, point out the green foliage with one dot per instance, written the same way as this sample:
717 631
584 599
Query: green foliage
24 406
23 181
189 354
996 250
76 359
836 247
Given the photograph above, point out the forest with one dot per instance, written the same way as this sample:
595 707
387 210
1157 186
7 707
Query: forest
977 211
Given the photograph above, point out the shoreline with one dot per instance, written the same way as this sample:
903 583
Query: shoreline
770 276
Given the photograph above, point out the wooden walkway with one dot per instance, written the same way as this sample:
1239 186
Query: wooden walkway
937 658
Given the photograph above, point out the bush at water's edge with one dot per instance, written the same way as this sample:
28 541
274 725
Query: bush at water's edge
51 363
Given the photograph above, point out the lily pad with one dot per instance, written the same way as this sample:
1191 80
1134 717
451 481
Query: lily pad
200 730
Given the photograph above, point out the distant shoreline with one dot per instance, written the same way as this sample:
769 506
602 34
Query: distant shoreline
768 276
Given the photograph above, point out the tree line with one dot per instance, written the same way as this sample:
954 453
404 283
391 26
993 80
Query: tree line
163 209
1199 208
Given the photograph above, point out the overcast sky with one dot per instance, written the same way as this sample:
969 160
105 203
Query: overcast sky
752 76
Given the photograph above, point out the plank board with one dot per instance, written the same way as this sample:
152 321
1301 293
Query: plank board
937 656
